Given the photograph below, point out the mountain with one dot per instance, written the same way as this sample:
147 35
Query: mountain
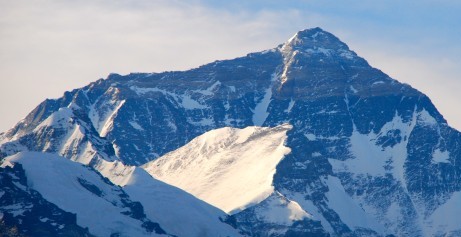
141 207
369 156
228 168
233 169
101 207
178 212
24 210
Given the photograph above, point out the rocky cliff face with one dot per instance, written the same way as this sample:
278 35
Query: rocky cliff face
369 155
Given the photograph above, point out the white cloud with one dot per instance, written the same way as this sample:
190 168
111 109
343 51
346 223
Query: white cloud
49 46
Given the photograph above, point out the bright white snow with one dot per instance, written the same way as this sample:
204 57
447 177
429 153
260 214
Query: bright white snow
58 119
72 143
290 106
425 118
280 210
310 208
229 168
289 57
178 212
56 179
347 208
370 158
102 118
136 125
167 205
260 112
373 160
106 125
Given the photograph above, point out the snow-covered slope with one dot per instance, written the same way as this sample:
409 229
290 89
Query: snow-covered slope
129 211
229 168
24 210
105 209
177 211
359 139
278 216
66 133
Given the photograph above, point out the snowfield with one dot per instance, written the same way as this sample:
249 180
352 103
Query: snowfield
100 205
229 168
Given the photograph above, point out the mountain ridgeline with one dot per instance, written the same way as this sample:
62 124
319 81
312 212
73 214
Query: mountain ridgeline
368 155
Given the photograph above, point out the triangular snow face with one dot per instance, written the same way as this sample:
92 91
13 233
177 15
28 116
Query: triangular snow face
229 168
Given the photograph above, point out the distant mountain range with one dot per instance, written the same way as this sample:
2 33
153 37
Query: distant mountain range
306 139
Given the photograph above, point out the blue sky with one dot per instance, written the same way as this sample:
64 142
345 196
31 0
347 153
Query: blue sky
49 46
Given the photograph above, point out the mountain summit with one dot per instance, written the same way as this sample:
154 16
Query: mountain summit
313 39
369 156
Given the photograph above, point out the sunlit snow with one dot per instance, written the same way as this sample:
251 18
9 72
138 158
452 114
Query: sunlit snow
229 168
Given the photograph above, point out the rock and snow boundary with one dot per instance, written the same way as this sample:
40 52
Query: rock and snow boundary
232 169
229 168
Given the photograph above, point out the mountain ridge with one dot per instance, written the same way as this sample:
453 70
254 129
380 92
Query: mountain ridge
357 134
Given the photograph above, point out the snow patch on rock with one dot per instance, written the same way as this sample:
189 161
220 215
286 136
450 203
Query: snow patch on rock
441 156
280 210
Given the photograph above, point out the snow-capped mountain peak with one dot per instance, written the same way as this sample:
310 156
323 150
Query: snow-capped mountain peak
314 39
365 155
